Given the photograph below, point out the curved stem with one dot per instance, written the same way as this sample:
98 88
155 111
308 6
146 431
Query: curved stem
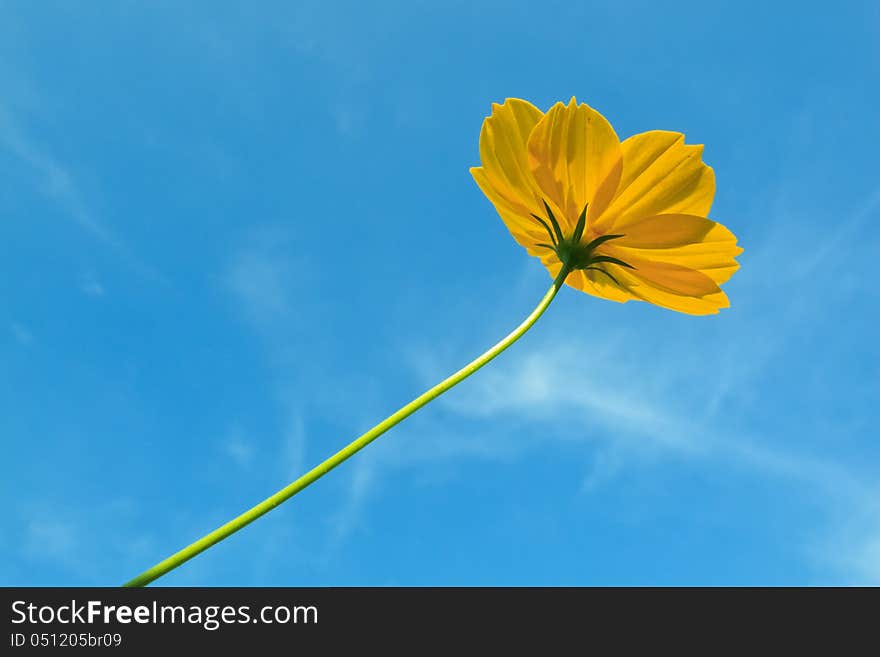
320 470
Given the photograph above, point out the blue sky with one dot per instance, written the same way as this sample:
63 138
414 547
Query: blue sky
233 238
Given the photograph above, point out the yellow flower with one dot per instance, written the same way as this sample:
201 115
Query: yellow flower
629 218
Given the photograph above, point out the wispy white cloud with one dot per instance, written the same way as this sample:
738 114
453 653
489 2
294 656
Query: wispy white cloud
536 399
56 182
540 389
239 448
54 179
262 277
349 517
852 545
836 241
864 560
79 540
631 398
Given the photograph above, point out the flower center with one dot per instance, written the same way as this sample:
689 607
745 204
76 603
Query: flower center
573 253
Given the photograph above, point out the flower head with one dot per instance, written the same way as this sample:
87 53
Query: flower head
628 218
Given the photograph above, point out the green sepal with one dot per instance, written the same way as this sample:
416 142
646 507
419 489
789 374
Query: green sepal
592 246
579 228
613 261
559 235
608 274
547 228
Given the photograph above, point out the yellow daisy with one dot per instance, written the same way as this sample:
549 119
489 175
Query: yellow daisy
629 219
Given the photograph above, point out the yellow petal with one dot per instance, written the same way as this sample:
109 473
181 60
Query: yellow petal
525 230
503 153
681 239
674 287
504 176
661 175
575 158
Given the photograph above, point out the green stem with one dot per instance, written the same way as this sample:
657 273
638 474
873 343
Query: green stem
317 472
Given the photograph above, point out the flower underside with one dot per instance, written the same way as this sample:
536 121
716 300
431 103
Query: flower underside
574 254
646 235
